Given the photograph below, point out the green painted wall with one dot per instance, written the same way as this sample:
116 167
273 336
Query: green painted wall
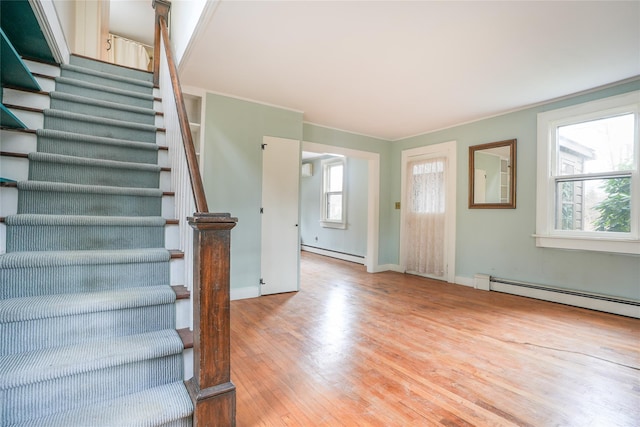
233 172
499 242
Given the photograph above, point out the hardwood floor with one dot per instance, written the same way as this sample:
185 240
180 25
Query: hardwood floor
387 349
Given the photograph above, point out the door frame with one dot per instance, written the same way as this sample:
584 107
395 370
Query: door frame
373 194
448 150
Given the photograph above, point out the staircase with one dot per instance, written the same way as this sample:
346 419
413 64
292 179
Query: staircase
87 313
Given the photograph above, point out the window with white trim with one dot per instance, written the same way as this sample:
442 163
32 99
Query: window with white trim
588 192
333 203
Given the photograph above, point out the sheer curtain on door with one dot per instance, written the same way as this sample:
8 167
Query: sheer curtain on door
424 216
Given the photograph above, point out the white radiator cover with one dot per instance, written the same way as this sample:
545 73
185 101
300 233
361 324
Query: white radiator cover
608 304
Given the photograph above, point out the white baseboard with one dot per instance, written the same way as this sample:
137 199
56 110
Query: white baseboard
334 254
606 305
388 267
244 293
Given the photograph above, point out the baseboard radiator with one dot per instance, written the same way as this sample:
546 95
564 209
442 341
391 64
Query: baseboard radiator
609 304
358 259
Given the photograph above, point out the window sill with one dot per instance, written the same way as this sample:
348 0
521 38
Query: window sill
621 246
332 224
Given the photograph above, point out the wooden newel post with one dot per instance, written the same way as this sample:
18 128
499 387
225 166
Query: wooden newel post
212 392
162 9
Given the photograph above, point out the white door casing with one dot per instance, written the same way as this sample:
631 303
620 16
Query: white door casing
280 244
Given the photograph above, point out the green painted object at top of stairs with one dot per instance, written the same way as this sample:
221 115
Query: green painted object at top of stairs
19 22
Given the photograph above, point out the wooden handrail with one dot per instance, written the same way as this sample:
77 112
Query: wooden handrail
211 390
189 149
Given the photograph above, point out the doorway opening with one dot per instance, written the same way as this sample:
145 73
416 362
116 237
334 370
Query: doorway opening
372 196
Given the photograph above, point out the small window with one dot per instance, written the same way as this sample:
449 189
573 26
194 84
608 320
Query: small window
428 186
588 185
333 204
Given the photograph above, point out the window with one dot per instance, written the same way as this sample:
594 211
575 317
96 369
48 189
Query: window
428 186
333 204
588 193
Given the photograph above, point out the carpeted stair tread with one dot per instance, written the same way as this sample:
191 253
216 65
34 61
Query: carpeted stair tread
115 90
74 144
19 260
88 118
39 232
99 126
54 320
92 90
72 376
96 163
43 197
88 189
51 306
91 139
74 220
156 406
52 363
70 272
89 171
89 74
111 68
97 107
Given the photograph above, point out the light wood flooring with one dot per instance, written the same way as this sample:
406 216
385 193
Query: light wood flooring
388 349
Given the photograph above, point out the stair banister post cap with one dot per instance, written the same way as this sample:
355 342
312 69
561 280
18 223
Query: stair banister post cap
162 3
205 218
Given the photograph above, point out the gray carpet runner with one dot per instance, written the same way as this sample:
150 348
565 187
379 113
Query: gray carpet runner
87 316
106 109
95 147
102 93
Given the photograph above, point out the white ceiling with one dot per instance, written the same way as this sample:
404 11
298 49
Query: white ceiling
133 19
393 69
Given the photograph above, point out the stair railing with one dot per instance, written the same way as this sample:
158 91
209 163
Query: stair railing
206 248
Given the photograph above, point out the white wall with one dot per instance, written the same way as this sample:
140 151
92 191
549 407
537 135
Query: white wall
66 10
185 16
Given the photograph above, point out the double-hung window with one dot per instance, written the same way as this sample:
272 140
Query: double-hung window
588 187
333 213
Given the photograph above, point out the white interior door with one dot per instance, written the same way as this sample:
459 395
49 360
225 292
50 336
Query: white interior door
280 215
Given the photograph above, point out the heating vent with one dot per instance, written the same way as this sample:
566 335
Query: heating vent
606 303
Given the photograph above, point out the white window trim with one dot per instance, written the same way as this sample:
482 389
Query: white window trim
546 234
324 222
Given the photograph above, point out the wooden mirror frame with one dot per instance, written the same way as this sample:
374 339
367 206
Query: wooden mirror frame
511 203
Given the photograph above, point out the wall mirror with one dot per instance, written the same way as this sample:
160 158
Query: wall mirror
492 175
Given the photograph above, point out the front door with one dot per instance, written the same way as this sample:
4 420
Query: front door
428 211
